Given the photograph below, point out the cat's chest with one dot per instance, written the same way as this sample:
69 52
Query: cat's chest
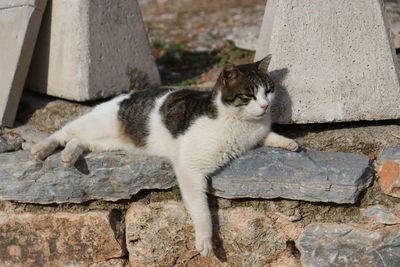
230 134
246 134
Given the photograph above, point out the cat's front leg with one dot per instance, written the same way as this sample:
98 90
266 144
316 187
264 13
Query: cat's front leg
193 188
276 140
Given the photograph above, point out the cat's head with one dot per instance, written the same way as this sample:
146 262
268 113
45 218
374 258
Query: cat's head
247 89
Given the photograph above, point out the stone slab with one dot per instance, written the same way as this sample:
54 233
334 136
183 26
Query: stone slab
311 176
335 60
388 169
323 245
19 26
92 49
60 239
262 173
108 176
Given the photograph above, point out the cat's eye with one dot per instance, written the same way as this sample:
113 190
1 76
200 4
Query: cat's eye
247 97
269 88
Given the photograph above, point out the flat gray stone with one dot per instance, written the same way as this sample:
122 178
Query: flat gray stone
342 245
261 173
334 59
380 214
312 176
19 27
108 176
390 153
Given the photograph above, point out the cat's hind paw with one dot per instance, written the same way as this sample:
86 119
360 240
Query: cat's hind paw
204 246
44 149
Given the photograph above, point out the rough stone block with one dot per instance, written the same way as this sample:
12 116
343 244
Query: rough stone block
162 234
334 59
389 171
323 245
19 27
92 49
59 239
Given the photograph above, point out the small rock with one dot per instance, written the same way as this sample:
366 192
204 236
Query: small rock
9 145
59 239
323 245
389 171
162 234
380 214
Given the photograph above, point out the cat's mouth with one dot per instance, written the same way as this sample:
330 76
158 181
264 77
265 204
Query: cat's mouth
262 113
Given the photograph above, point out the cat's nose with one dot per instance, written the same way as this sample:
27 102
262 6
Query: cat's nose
264 107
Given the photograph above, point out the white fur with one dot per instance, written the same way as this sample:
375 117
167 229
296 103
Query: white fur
206 146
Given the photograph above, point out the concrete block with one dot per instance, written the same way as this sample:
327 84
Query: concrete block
334 59
19 27
90 49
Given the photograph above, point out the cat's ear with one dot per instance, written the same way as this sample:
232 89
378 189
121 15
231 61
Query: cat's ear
229 74
264 63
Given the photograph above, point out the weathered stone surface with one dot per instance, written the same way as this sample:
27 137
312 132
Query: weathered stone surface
312 176
59 239
20 21
332 67
389 171
323 245
261 173
162 234
91 49
380 214
108 176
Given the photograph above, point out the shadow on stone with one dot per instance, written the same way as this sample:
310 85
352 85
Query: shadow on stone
82 166
282 108
41 53
219 249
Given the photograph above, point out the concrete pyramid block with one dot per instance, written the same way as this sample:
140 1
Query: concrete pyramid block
334 59
19 27
91 49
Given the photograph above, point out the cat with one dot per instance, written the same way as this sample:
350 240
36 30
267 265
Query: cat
199 132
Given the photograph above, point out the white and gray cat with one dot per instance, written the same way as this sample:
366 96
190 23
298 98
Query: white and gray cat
197 131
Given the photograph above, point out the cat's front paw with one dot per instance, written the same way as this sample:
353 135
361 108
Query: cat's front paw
204 245
292 145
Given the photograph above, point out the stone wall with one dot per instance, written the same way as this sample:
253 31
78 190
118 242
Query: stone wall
152 228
